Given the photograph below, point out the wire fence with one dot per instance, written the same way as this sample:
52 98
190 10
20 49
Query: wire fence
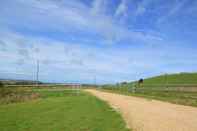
153 87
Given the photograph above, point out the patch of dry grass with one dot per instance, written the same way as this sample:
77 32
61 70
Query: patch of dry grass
13 95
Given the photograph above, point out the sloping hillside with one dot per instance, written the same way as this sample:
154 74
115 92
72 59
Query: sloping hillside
180 78
177 88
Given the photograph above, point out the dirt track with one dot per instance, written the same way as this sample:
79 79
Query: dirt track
151 115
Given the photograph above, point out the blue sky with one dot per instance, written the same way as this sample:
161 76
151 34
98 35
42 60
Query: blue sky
112 40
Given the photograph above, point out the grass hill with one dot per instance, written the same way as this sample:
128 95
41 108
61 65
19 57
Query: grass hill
170 80
180 88
179 78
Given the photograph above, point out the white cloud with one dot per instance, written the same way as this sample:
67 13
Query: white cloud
75 59
68 17
98 7
177 6
140 10
122 9
142 7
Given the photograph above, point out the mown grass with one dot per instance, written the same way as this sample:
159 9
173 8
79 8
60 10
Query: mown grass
60 111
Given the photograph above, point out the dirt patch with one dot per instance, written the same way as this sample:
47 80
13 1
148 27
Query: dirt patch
151 115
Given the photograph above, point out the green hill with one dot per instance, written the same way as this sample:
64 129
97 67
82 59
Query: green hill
166 80
180 88
180 78
169 80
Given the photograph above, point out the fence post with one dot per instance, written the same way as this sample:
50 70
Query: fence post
133 88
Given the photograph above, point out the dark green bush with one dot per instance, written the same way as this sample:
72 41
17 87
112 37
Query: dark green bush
1 85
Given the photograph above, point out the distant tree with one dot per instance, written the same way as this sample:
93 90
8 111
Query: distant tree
124 83
1 84
117 84
140 82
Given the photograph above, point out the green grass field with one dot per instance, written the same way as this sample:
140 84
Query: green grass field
60 111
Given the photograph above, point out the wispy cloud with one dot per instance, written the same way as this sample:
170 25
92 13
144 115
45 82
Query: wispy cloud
82 60
98 7
73 16
122 9
2 46
142 7
173 10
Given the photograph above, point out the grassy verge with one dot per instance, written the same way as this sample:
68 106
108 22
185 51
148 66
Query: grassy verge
183 98
60 111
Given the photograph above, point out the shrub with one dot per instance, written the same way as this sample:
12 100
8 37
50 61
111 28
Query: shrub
1 85
12 95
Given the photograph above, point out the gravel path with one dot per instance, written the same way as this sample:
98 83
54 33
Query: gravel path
151 115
